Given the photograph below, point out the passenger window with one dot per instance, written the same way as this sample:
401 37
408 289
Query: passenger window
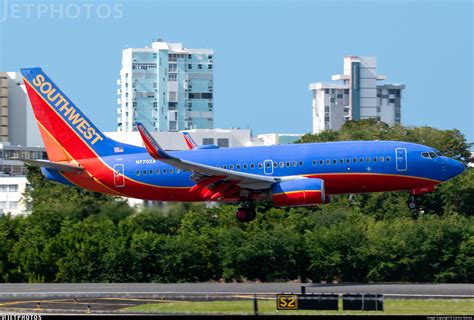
288 163
138 172
341 161
178 170
375 159
171 171
245 166
275 164
314 162
294 163
237 166
157 171
367 159
260 165
348 161
321 162
164 171
354 160
252 166
144 172
381 159
282 164
301 163
151 171
388 158
328 162
224 166
361 159
231 167
334 161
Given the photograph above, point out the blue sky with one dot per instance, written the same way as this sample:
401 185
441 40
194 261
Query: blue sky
266 53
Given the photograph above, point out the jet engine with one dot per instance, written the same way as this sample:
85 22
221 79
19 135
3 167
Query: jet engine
301 192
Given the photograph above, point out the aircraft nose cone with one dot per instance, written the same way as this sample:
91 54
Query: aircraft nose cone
454 168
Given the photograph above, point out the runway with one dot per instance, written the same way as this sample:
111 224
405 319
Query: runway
155 290
112 298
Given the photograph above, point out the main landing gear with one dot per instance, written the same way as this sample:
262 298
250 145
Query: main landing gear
412 202
246 214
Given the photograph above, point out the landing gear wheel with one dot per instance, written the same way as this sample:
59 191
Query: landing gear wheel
241 215
412 203
245 214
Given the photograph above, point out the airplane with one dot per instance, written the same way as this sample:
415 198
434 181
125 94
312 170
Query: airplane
192 145
80 155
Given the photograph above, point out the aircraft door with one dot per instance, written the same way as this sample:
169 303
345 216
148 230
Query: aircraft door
119 176
268 167
401 159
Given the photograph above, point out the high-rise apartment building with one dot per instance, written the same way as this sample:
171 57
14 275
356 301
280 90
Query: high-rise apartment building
3 107
355 95
17 121
166 87
19 138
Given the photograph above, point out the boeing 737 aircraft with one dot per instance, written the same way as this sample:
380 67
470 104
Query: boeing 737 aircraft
288 175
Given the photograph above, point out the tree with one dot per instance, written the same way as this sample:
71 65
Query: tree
451 142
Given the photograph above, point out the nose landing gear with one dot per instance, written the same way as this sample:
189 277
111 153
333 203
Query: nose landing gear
246 214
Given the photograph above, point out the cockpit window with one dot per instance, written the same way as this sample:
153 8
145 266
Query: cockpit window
431 155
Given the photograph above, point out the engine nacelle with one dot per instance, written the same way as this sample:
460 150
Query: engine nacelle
301 192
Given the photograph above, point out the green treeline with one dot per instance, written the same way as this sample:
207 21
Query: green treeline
74 235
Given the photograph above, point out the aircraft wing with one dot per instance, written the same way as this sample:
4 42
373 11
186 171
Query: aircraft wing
242 179
52 165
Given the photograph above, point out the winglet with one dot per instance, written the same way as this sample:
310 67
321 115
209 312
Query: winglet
189 141
153 148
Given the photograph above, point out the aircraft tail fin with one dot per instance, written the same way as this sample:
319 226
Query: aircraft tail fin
66 132
189 141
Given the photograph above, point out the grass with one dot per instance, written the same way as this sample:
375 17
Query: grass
396 307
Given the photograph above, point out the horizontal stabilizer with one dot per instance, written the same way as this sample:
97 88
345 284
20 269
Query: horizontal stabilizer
52 165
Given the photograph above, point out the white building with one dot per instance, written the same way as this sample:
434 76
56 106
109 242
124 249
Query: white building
12 176
17 121
166 87
355 95
11 195
19 138
270 139
175 140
